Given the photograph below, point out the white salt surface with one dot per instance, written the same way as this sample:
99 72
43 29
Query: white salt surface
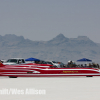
66 88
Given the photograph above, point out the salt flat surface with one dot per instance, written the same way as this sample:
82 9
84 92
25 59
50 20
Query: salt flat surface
66 88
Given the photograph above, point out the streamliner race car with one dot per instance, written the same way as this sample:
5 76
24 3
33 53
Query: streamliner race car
44 70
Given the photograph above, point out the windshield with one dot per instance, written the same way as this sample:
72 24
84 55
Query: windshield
12 60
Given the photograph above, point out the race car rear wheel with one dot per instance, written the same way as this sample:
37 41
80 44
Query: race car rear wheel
12 77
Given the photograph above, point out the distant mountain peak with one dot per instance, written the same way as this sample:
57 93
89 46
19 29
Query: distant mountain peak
83 38
60 36
13 37
59 39
10 35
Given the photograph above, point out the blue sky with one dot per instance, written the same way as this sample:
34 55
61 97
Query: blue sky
45 19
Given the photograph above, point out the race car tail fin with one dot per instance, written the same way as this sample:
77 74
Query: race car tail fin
1 65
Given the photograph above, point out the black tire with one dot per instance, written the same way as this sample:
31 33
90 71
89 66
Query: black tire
89 76
12 77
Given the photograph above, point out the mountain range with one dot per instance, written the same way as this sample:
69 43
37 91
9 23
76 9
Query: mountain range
59 48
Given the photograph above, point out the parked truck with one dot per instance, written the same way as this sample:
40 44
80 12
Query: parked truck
13 61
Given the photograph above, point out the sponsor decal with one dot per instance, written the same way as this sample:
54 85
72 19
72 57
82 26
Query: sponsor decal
70 71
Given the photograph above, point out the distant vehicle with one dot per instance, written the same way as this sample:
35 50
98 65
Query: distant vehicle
3 61
53 63
14 61
61 64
